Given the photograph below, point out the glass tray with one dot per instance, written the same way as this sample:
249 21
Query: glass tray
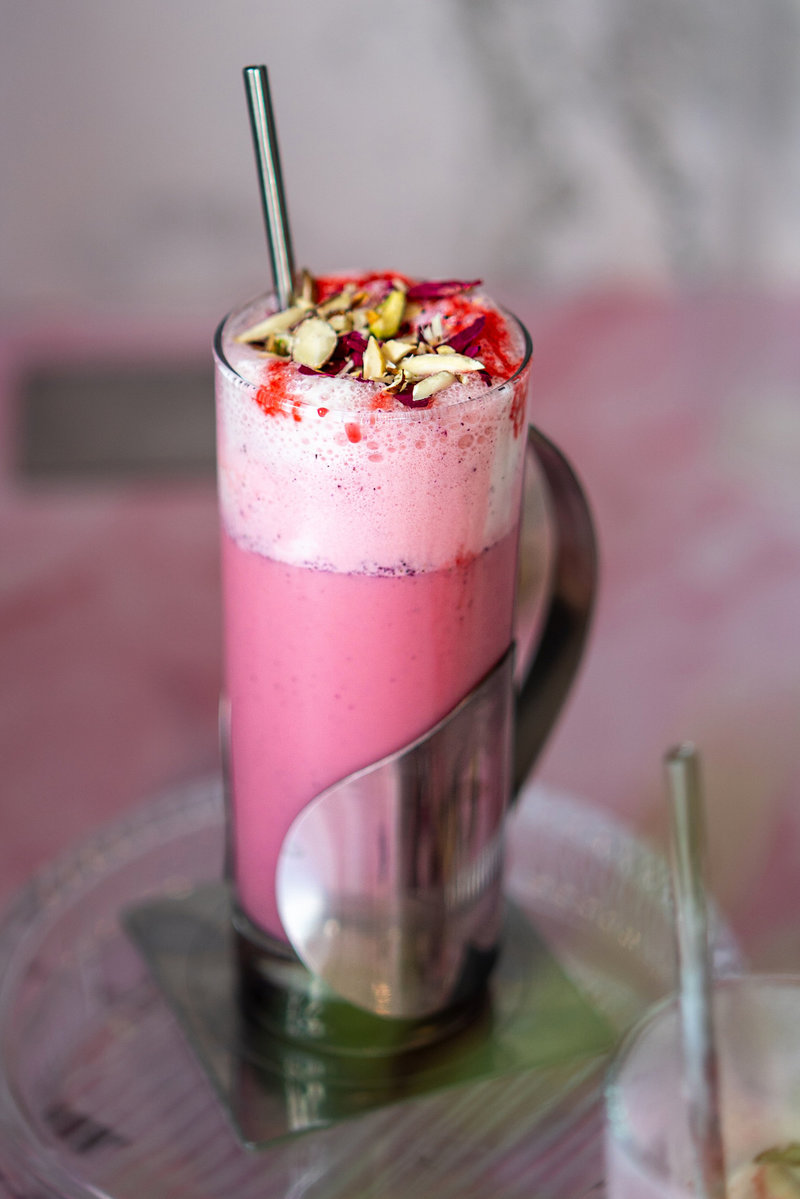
101 1095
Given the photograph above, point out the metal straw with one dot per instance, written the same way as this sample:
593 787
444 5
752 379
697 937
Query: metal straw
268 164
701 1076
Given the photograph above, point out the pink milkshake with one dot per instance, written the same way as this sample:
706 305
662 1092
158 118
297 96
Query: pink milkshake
370 457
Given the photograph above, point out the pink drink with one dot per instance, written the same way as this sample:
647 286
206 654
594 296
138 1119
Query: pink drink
369 568
334 693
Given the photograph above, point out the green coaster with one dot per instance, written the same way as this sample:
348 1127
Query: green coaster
534 1019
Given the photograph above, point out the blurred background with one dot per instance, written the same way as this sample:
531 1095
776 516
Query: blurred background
558 143
624 172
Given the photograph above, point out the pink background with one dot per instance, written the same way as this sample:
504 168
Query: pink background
682 416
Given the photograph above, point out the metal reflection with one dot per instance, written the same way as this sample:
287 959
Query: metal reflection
389 882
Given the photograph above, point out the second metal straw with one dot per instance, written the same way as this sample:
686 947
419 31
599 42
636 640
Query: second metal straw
701 1076
268 163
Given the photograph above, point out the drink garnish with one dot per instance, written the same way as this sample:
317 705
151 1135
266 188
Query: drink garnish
349 335
373 364
433 289
772 1174
314 342
433 383
418 366
278 322
461 342
388 318
785 1155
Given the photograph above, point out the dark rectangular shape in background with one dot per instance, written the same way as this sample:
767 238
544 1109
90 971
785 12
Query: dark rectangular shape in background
116 420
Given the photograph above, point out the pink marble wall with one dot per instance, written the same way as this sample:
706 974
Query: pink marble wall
683 417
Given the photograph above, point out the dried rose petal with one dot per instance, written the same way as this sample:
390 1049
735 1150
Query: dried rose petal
353 341
461 340
352 345
440 289
406 398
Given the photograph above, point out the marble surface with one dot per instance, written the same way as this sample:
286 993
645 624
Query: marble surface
680 414
565 142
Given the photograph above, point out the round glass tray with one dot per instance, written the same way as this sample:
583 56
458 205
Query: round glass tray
102 1095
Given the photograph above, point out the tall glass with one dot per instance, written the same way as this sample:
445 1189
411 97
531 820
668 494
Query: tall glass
369 579
649 1153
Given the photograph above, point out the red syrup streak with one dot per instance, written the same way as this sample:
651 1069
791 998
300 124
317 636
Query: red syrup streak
353 432
495 350
519 409
382 401
495 347
274 396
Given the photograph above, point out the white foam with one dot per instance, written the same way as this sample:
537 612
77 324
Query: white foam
419 489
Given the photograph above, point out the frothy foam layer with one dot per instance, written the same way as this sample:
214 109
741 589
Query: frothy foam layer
311 473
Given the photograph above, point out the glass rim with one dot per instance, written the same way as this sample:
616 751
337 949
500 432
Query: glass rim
631 1039
404 412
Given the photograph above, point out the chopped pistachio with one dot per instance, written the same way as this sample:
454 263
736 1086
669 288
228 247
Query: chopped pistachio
280 343
341 302
786 1155
306 290
341 322
278 322
431 384
396 348
313 343
398 382
780 1182
388 317
434 332
420 365
374 365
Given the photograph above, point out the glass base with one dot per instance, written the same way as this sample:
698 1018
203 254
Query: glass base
280 998
284 1058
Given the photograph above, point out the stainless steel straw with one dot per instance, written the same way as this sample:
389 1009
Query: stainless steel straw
701 1076
268 163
